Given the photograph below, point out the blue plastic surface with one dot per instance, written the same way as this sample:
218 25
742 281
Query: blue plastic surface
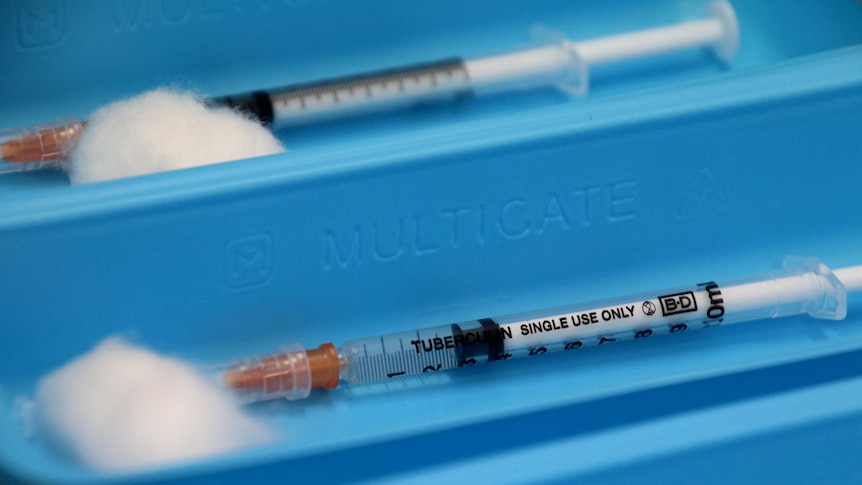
671 172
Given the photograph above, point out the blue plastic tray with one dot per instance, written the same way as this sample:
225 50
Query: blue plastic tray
670 172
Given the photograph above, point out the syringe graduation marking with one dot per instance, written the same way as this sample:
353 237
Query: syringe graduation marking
324 99
392 356
453 69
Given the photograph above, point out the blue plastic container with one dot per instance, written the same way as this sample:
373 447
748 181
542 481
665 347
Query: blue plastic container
672 171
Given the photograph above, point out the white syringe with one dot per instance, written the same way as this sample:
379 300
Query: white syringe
564 65
804 286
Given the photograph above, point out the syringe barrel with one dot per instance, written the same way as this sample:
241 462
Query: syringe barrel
404 87
803 286
354 95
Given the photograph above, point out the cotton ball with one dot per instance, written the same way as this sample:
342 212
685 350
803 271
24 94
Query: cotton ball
164 130
120 407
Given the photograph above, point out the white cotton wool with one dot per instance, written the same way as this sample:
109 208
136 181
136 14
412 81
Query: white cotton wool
164 130
120 407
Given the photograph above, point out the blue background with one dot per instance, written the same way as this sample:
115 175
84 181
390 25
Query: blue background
672 171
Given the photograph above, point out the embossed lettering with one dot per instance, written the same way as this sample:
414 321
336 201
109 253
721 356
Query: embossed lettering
514 222
343 250
133 15
451 228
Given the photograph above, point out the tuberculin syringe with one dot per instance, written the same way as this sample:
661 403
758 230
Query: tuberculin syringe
805 285
563 64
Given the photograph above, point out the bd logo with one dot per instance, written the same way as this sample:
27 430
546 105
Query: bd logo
249 261
678 303
41 23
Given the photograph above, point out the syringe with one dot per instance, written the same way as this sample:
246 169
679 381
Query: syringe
564 64
805 285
